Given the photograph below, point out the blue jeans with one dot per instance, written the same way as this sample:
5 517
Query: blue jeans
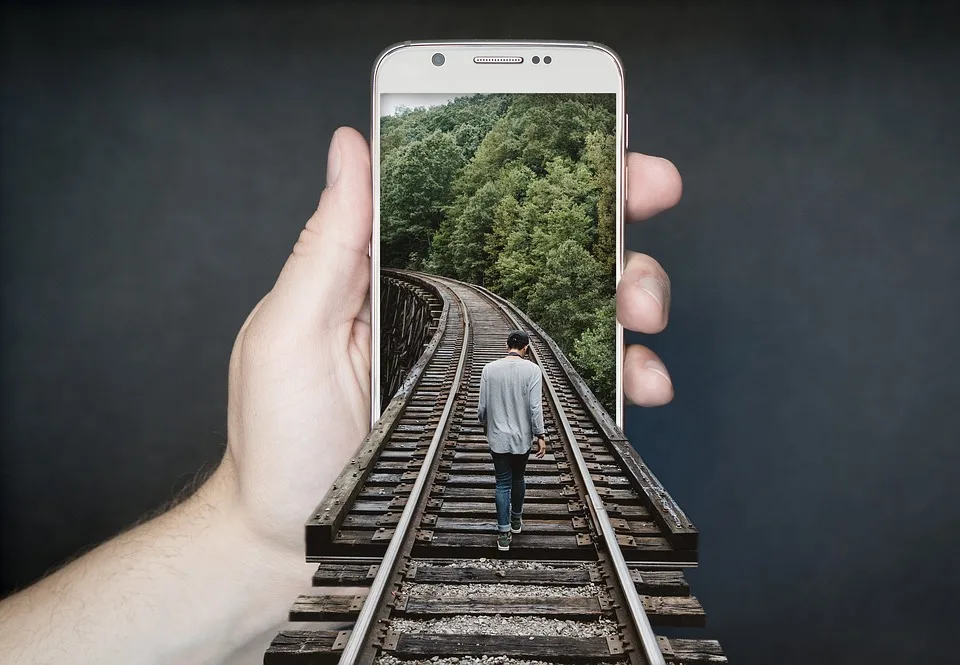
511 486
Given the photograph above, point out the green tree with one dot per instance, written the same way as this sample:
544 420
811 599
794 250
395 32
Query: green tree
600 157
566 295
471 234
415 186
563 202
458 248
594 354
518 193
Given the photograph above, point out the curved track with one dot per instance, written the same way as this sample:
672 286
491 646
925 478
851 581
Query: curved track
406 540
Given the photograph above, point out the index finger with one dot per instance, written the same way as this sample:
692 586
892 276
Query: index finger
653 185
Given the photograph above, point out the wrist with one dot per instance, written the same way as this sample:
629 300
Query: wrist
279 564
234 583
194 584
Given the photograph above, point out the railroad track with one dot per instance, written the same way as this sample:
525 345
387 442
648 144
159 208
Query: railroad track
405 540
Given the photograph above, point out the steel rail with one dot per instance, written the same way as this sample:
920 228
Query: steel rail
649 644
361 628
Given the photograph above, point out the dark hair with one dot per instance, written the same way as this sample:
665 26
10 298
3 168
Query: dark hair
517 340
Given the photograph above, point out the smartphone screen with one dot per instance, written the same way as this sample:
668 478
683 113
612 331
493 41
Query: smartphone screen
513 190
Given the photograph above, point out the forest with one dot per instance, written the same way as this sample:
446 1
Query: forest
514 192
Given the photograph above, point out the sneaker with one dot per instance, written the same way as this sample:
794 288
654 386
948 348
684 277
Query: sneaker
516 524
503 541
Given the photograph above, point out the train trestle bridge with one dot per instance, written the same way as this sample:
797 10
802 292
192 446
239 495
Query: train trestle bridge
408 568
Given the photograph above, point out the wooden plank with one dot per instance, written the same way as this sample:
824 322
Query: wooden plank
488 540
627 510
366 506
362 538
648 582
383 492
660 582
533 468
486 493
488 525
610 480
677 526
371 520
557 606
484 509
306 647
401 455
330 574
329 514
326 608
539 480
619 495
384 466
677 611
545 647
532 546
685 651
650 549
411 444
640 528
384 479
302 647
462 456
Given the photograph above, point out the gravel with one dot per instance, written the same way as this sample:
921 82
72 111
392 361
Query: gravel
496 624
499 590
513 625
386 659
501 564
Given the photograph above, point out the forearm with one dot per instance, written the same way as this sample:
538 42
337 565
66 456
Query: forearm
482 400
190 586
536 420
536 406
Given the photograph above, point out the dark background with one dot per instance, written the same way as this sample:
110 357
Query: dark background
157 167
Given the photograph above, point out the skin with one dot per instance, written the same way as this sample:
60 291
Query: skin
212 579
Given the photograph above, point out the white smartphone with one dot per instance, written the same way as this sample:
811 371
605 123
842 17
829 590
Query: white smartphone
502 164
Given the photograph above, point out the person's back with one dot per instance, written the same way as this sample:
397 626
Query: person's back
510 397
511 389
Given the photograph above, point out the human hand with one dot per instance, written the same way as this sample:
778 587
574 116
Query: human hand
542 449
300 367
643 294
299 386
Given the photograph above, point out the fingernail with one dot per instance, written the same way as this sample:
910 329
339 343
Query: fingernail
653 286
657 366
333 161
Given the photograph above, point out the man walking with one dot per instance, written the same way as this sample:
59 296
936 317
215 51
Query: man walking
510 410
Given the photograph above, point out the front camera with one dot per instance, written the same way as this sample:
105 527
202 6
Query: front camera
536 59
438 59
547 59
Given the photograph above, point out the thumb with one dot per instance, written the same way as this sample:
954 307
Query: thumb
324 282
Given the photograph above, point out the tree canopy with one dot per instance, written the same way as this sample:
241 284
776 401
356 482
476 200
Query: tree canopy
514 192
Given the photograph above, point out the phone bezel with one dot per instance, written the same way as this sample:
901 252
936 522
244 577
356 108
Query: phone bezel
407 68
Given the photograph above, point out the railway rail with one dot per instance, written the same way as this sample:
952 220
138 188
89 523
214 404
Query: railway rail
408 568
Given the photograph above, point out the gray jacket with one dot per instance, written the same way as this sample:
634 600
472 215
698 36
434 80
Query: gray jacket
510 404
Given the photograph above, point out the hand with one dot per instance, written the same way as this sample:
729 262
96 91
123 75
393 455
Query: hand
643 294
542 450
211 580
300 369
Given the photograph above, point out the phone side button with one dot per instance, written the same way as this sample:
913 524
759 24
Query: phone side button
626 182
626 131
369 249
